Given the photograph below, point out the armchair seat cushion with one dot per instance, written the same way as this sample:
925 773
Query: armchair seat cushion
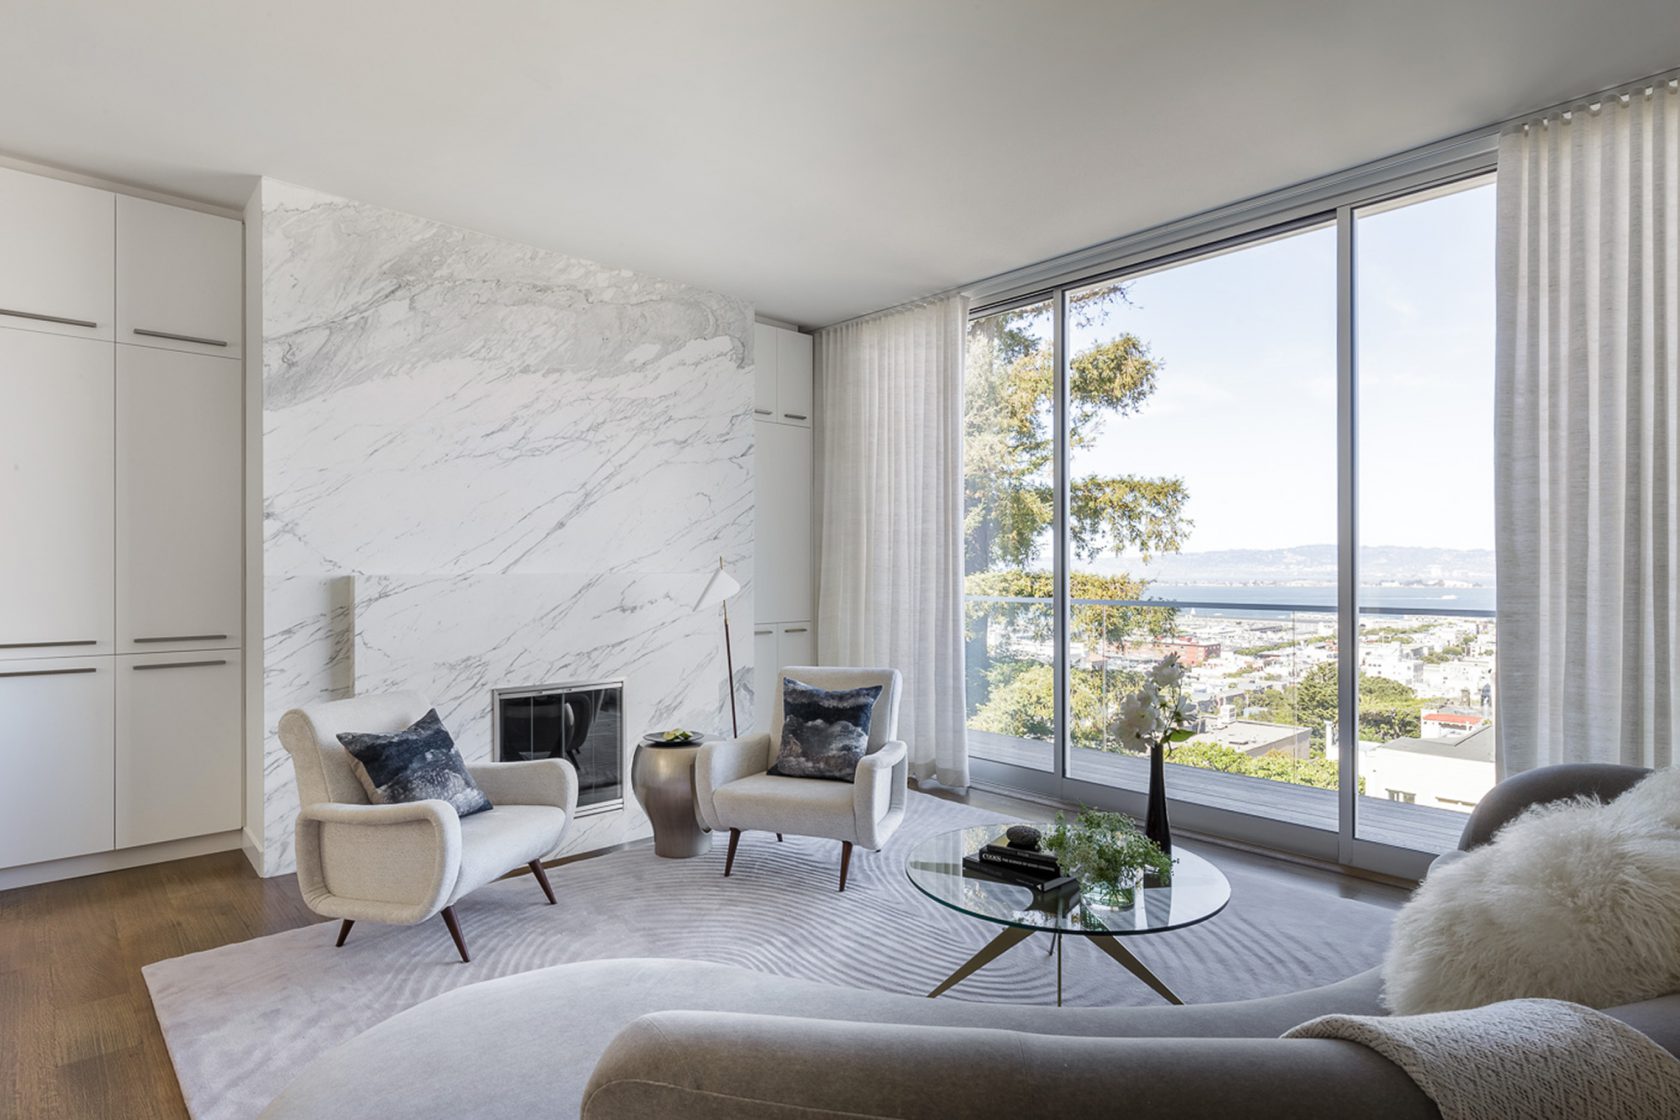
492 843
771 803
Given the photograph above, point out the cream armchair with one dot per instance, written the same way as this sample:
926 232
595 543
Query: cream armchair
734 790
402 864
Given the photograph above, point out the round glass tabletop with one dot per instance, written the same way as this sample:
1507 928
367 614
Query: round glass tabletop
1199 890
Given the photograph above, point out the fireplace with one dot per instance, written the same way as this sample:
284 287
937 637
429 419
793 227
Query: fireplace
582 723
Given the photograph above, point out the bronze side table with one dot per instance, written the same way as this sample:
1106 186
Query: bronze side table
662 777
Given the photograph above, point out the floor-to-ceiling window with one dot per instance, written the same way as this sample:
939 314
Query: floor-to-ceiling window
1172 458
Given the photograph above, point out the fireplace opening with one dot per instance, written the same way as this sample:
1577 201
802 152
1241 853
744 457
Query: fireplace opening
581 723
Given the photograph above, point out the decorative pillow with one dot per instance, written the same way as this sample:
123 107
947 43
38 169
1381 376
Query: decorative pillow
415 764
824 733
1574 900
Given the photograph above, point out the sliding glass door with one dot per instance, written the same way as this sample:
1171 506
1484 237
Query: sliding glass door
1172 458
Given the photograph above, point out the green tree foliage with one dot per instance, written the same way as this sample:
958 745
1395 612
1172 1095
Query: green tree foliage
1278 766
1388 710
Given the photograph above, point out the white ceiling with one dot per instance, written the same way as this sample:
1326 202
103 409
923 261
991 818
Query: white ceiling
821 158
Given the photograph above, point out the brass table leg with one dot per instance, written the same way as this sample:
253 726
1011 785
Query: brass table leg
1112 946
991 951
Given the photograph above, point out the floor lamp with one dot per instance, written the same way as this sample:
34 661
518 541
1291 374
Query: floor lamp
721 588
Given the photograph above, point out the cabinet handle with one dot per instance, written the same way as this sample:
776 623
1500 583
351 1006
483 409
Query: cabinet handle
183 638
796 629
795 416
176 665
39 318
46 672
761 633
45 645
179 337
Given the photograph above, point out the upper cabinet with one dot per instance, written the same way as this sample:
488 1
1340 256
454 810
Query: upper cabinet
782 375
178 278
55 256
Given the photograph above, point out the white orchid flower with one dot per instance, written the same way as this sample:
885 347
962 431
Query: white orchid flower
1168 672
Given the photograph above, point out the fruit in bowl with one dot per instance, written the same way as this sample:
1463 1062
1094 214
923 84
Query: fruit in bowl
674 736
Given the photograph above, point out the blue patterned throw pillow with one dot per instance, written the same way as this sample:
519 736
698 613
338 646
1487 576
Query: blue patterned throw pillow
824 733
418 763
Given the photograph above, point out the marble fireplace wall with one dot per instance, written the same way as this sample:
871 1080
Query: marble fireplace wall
489 465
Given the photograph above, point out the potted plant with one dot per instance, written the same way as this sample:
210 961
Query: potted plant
1107 854
1155 716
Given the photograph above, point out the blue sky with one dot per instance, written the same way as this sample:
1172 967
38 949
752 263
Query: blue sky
1245 407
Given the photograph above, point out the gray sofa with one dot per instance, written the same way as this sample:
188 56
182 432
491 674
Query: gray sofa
639 1039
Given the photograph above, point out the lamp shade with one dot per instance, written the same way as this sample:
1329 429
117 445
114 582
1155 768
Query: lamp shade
721 586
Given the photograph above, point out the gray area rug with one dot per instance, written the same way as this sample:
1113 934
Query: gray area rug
241 1020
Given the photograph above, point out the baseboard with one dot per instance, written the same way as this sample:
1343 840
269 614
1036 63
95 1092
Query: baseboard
252 847
99 862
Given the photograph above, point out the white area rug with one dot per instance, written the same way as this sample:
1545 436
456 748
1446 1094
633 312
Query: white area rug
241 1020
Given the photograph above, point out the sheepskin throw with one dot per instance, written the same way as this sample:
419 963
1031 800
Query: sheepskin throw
1527 1059
1575 900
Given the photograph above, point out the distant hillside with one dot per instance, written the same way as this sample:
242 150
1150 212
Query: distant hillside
1316 564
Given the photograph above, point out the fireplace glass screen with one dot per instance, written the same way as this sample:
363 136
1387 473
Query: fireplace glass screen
582 724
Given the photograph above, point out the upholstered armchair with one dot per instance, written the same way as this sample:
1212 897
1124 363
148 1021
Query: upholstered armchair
404 863
734 790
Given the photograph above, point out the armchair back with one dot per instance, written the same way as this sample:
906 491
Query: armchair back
883 721
310 736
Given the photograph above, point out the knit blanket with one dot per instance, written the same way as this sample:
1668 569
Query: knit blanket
1524 1059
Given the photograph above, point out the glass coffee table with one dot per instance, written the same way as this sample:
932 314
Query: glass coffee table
1199 890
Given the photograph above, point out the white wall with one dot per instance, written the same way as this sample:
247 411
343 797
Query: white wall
485 465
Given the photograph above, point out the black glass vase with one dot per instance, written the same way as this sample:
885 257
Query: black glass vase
1155 824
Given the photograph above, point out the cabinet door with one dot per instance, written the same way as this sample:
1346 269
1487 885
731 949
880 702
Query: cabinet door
55 256
793 378
55 495
179 500
178 755
55 758
796 644
765 364
180 276
765 675
783 586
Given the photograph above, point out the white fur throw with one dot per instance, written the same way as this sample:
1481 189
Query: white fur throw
1528 1059
1574 901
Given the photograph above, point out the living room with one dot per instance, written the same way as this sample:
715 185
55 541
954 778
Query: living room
764 560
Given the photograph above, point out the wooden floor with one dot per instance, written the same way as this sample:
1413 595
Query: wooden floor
77 1034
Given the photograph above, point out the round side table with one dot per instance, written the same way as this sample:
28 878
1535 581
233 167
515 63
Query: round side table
662 775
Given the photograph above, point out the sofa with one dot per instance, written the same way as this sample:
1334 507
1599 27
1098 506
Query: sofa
639 1039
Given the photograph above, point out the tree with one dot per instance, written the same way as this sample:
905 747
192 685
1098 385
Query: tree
1388 710
1278 766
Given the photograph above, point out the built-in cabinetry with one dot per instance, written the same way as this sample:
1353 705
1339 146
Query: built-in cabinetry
784 569
121 575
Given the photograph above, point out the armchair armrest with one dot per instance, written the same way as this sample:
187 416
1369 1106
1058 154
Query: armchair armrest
1517 794
537 781
718 1066
878 788
385 863
723 761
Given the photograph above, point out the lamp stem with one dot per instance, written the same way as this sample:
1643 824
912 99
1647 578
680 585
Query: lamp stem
729 660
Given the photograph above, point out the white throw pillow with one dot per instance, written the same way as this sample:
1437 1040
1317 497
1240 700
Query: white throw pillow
1575 900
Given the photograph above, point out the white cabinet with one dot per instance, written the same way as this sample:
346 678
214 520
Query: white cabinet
782 558
179 500
765 365
178 746
55 256
776 648
179 278
56 494
781 375
56 764
793 378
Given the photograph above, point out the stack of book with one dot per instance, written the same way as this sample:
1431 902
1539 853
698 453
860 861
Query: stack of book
1027 867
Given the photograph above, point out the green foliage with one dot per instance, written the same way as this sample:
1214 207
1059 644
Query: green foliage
1093 624
1387 709
1277 766
1107 853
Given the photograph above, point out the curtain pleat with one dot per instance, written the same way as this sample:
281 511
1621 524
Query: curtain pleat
889 517
1586 435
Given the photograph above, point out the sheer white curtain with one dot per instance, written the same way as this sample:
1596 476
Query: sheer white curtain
1588 436
889 516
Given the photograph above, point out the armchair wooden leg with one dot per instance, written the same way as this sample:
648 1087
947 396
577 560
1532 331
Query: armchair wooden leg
778 838
729 861
343 932
455 932
542 879
845 861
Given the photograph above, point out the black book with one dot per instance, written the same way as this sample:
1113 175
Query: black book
1003 847
1028 876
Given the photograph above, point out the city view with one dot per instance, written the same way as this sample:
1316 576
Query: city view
1198 512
